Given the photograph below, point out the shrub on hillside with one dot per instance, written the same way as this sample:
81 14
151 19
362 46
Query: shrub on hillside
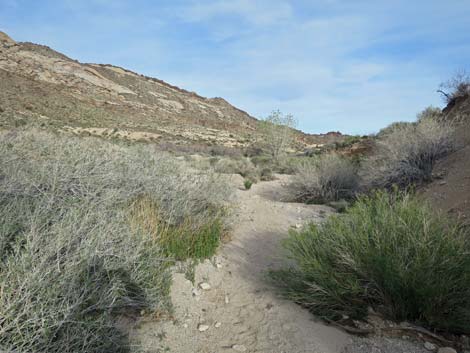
389 252
326 178
75 250
429 113
456 87
393 127
407 153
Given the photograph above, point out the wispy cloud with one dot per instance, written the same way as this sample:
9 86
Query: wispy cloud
257 12
335 64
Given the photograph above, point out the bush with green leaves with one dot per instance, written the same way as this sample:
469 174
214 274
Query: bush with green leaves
247 183
278 132
75 253
325 178
406 153
388 252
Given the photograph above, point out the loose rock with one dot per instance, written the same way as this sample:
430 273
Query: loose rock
202 327
446 350
239 348
204 286
218 324
429 346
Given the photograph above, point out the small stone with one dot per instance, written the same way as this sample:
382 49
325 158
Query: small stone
195 292
429 346
298 226
446 350
239 348
405 337
227 300
185 325
218 324
204 286
202 327
218 265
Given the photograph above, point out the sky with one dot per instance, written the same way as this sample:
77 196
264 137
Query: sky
337 65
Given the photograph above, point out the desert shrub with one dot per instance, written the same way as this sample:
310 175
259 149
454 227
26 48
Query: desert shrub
389 252
189 239
266 174
247 183
73 252
326 178
348 141
393 128
242 166
407 153
429 113
456 87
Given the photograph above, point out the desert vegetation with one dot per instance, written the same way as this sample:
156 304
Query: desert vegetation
457 86
406 153
325 178
89 231
278 132
389 252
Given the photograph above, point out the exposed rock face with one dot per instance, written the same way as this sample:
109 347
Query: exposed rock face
39 83
45 87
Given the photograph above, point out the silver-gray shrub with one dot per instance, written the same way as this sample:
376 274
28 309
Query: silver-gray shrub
69 259
328 177
406 153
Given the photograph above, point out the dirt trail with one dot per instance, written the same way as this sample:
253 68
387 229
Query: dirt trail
240 311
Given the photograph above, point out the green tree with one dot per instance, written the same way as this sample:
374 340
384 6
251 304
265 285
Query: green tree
278 131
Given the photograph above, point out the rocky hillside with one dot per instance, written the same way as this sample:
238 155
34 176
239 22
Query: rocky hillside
41 86
450 191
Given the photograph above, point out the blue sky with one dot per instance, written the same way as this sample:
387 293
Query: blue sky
348 65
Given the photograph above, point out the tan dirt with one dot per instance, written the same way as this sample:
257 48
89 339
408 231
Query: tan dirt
241 309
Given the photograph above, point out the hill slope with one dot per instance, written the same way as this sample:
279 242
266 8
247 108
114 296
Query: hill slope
451 191
41 86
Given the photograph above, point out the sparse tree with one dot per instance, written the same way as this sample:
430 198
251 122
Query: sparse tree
457 86
278 131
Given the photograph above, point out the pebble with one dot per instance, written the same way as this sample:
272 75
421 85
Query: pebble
218 324
204 286
202 327
298 226
429 346
446 350
195 292
239 348
226 299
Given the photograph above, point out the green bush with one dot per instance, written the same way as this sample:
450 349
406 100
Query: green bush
248 183
329 177
74 253
389 252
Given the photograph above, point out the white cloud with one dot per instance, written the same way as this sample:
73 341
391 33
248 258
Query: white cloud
257 12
